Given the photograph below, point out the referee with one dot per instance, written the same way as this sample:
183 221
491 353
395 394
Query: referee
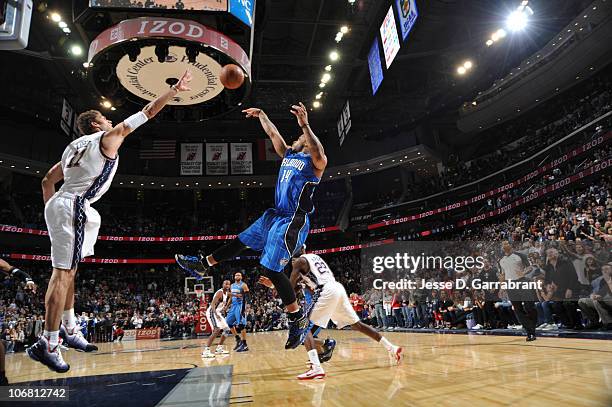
512 266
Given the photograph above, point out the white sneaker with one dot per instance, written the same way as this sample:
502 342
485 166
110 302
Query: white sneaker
207 354
550 327
542 326
315 372
477 326
220 350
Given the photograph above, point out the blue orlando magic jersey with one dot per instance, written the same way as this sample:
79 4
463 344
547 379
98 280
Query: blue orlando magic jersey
237 289
296 183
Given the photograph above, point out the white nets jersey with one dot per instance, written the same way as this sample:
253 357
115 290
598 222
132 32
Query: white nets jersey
88 173
319 273
224 299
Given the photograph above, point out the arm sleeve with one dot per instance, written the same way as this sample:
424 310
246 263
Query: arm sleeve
21 274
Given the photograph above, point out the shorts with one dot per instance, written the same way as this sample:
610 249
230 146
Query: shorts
216 320
235 317
73 227
277 236
333 303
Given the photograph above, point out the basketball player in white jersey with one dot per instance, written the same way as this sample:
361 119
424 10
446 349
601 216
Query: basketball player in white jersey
87 168
330 302
218 306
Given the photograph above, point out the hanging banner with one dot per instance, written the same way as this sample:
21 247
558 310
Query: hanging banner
67 117
191 158
216 159
390 40
407 13
241 158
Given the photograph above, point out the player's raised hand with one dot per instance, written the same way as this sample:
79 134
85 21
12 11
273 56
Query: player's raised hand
265 281
300 112
252 112
182 84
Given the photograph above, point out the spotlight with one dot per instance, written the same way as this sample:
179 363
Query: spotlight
517 20
161 50
461 70
325 78
321 85
501 33
319 95
66 30
86 64
62 24
328 68
192 54
334 55
344 29
316 104
489 43
106 104
55 17
133 52
339 37
467 64
76 50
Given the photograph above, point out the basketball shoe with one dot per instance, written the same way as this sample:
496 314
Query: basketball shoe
207 354
220 350
396 353
193 265
297 331
76 340
315 372
52 358
328 349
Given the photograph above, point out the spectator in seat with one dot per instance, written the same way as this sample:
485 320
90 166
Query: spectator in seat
599 304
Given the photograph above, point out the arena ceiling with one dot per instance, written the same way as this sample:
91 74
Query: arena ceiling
292 43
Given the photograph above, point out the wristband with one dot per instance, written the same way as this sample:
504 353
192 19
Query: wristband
136 120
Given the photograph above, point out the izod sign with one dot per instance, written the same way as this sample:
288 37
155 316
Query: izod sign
147 78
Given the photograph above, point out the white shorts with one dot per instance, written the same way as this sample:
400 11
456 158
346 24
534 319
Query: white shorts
216 320
73 227
333 303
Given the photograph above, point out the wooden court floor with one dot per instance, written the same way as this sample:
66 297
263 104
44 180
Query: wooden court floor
438 369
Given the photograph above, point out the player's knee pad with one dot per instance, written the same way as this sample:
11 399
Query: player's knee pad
283 286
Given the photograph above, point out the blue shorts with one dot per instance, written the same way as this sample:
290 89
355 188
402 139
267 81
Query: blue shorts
277 236
234 316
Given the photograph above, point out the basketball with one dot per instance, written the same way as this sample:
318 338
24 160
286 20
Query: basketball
232 77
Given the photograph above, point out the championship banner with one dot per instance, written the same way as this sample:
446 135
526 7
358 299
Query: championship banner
265 150
129 335
216 159
148 333
67 117
191 158
241 158
202 325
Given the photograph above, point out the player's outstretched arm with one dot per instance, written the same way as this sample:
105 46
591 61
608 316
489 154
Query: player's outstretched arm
112 140
317 152
277 140
52 177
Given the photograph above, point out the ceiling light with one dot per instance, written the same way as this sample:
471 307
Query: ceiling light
467 64
517 20
85 64
339 37
66 30
316 104
106 104
321 85
489 43
56 17
461 70
334 55
328 68
62 24
325 78
113 108
76 50
501 33
344 29
319 95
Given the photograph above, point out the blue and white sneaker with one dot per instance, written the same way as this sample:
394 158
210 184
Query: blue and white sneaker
328 349
52 358
297 332
76 340
193 265
243 347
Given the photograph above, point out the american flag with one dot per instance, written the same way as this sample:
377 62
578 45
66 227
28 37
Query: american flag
157 149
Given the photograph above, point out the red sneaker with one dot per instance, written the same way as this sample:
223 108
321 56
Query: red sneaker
397 354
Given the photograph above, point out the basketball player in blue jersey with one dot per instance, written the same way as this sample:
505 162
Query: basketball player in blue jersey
282 230
236 316
87 168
